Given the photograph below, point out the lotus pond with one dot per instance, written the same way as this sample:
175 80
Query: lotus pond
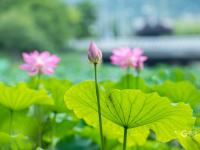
155 108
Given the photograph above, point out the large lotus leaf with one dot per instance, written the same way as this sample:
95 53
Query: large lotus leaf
131 108
132 82
57 89
108 85
20 96
179 92
190 140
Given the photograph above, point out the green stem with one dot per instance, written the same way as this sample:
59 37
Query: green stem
38 109
38 81
53 130
125 138
127 79
137 78
11 122
99 108
38 113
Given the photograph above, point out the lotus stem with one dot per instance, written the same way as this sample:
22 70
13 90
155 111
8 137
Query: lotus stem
11 122
38 81
99 107
38 109
125 138
53 121
127 79
38 114
137 79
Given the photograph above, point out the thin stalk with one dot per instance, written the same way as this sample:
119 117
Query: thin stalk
125 138
53 130
127 79
137 78
11 122
38 81
38 109
99 107
38 114
11 128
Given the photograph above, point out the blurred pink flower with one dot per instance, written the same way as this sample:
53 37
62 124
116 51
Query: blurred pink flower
36 62
94 53
127 57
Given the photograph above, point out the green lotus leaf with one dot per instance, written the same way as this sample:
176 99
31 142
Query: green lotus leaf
136 136
196 113
190 140
20 96
180 74
14 142
108 85
57 89
197 123
129 108
175 74
179 92
132 82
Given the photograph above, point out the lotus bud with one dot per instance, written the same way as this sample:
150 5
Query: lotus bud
94 54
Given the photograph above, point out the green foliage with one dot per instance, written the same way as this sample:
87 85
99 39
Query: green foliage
187 27
190 140
57 88
133 109
154 145
132 82
197 115
36 24
22 130
20 33
127 82
88 17
4 140
21 97
179 92
61 128
52 18
76 143
14 142
176 74
58 126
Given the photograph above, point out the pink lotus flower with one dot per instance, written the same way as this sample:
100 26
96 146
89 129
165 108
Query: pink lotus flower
36 62
127 57
94 53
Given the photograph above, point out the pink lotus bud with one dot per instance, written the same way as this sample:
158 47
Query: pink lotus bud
94 53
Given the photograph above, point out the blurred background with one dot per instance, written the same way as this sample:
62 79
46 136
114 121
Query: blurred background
168 31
